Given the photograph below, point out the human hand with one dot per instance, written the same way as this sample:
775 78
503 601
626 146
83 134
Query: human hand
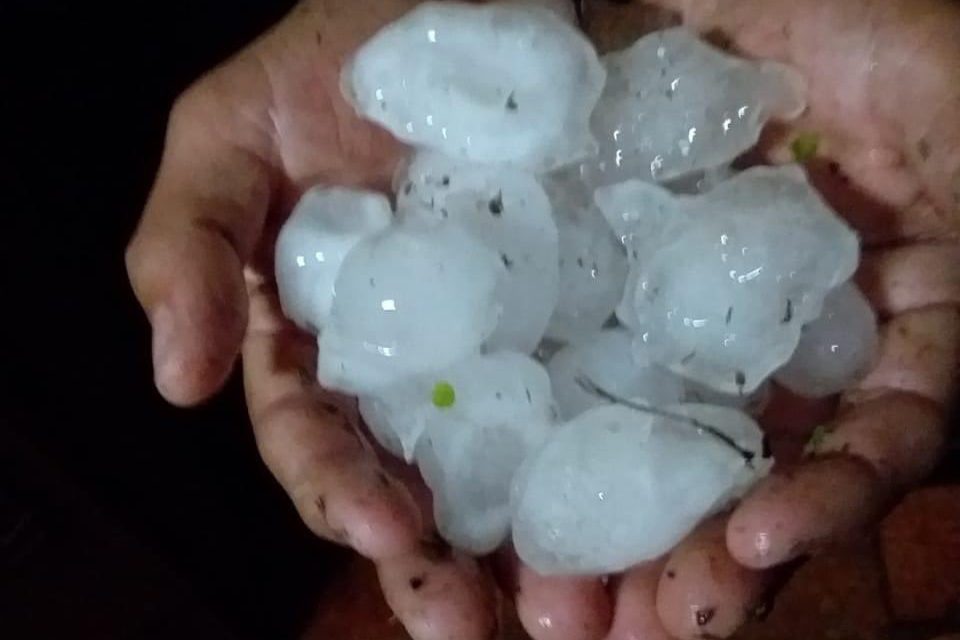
246 141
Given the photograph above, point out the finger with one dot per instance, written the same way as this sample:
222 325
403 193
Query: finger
306 439
200 224
635 605
890 435
560 607
703 591
911 277
438 595
789 419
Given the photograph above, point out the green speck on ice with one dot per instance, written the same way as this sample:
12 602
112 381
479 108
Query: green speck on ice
444 395
805 146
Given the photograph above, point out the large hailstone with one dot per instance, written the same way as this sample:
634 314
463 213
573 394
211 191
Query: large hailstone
674 104
311 246
593 267
508 211
727 279
499 82
502 411
618 486
607 361
415 298
836 349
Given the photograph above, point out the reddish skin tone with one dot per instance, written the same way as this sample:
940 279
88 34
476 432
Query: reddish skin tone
246 140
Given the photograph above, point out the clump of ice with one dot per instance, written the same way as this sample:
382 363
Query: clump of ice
496 83
836 349
728 278
593 266
617 486
508 211
468 452
674 104
607 360
412 299
324 226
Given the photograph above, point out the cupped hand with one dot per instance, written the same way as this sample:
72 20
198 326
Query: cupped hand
246 140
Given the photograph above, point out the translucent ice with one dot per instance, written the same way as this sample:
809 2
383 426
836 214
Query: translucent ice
469 452
508 211
498 82
413 299
593 266
727 279
836 349
617 486
674 104
607 361
312 244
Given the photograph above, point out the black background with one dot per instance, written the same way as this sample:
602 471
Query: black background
119 515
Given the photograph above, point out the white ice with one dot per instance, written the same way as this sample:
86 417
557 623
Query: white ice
593 265
311 246
508 211
413 299
836 349
726 280
606 360
499 82
674 104
469 452
616 487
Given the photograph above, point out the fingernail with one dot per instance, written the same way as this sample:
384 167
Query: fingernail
164 358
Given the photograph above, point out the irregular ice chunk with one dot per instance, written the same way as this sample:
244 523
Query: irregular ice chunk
607 361
413 299
593 267
616 486
469 451
836 349
498 82
508 211
728 279
312 244
753 403
674 104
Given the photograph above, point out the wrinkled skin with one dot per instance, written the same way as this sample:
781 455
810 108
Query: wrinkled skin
884 82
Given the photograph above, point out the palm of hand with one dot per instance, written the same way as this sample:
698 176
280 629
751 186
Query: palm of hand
246 141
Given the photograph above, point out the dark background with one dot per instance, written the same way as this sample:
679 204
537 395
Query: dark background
120 517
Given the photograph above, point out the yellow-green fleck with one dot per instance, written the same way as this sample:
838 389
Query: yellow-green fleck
444 395
816 440
805 146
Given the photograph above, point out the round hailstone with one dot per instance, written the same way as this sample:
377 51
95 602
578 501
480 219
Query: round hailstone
412 299
312 244
501 411
728 278
469 81
606 360
617 486
508 211
836 349
674 104
593 267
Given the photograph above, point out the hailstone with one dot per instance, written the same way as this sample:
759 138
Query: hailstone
311 246
501 82
836 349
607 360
729 278
593 266
617 486
469 451
508 211
414 298
674 104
